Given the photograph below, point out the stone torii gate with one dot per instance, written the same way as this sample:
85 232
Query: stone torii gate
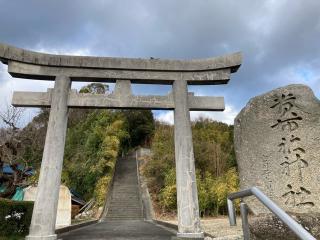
124 71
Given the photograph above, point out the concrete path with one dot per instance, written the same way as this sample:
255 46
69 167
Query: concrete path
120 230
124 216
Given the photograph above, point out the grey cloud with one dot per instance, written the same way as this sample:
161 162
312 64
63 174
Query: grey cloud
273 35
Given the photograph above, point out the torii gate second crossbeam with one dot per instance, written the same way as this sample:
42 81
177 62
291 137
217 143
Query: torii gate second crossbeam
124 71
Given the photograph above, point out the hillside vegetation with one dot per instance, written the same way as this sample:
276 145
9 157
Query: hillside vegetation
215 167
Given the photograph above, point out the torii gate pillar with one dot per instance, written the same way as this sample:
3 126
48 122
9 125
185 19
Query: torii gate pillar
46 203
187 195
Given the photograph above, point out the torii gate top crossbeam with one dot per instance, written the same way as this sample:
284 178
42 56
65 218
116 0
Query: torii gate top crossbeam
8 53
35 65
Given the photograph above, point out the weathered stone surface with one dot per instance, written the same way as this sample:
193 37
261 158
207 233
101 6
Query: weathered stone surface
46 204
277 143
30 193
8 53
268 226
187 195
122 97
64 208
31 71
64 204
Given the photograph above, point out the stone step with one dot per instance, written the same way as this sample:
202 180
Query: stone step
124 204
125 185
128 190
125 191
119 215
232 237
125 200
123 196
128 211
128 198
122 216
132 200
119 198
126 179
125 216
123 207
131 204
115 189
128 183
117 219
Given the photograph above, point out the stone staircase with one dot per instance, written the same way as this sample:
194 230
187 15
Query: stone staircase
124 202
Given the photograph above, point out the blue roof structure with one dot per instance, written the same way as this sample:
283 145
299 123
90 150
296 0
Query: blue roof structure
8 170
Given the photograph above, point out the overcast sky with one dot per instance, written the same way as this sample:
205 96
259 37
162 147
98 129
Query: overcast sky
279 39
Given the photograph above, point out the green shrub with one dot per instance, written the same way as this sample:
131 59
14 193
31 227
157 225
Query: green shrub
92 148
215 167
15 217
168 194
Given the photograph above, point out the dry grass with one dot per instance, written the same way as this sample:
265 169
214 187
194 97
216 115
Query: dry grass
217 226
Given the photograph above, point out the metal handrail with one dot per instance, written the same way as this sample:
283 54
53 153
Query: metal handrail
284 217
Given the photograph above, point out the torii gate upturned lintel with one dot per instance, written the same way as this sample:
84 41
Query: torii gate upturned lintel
124 71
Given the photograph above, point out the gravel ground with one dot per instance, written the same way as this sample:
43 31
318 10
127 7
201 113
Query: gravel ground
218 227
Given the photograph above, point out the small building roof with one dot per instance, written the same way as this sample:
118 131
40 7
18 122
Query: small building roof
7 169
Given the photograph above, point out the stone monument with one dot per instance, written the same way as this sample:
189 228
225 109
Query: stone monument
64 204
64 208
277 144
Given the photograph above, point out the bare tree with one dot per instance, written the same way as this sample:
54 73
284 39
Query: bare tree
10 149
11 116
